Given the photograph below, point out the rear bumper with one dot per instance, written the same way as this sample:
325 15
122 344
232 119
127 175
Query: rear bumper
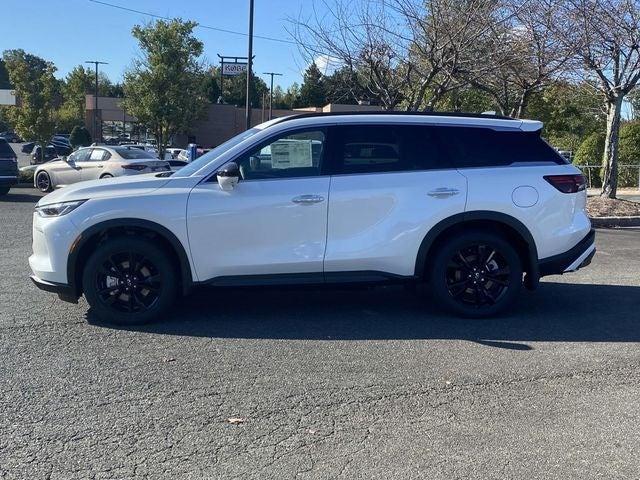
8 180
64 291
577 257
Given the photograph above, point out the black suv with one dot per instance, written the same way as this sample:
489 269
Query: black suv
8 167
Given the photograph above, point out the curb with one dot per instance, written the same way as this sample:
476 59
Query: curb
615 222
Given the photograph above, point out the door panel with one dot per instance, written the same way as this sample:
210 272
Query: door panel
377 221
93 164
275 219
70 172
258 228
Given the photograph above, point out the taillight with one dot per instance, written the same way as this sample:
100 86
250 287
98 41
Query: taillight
136 167
567 183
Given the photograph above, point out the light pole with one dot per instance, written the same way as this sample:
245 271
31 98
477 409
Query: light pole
249 66
271 92
95 96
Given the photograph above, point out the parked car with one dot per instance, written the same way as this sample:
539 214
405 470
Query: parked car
468 204
8 167
92 163
28 147
11 137
174 152
177 164
50 152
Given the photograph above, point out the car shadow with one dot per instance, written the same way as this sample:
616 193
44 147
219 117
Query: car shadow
555 312
13 197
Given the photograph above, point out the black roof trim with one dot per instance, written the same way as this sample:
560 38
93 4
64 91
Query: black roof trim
395 112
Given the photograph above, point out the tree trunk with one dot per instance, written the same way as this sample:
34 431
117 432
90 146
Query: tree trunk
610 158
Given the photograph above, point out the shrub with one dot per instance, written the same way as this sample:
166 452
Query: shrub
590 153
80 137
629 154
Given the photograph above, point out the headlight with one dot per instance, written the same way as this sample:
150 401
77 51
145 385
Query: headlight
58 209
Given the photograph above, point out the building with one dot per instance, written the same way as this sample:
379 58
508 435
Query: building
219 123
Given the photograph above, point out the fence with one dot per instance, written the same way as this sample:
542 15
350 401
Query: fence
628 175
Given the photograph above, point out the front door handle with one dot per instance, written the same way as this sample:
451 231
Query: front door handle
307 199
443 192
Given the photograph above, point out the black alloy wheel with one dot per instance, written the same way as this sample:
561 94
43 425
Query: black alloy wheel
129 280
477 274
43 182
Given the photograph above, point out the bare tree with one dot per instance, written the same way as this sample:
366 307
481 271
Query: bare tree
363 38
605 35
523 52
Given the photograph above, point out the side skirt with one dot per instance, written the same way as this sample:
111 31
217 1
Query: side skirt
332 278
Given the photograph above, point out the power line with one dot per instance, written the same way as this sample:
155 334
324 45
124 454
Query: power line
208 27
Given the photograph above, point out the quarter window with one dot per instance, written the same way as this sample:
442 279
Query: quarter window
485 147
294 155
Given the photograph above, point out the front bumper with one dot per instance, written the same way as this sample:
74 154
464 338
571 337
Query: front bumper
64 291
573 259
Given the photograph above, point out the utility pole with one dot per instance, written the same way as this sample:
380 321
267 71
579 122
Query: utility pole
249 66
271 91
95 96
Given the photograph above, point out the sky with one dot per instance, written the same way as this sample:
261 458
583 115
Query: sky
68 32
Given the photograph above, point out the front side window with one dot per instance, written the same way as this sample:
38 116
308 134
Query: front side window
80 155
296 154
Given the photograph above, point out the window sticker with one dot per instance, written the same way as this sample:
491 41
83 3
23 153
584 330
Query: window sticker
290 153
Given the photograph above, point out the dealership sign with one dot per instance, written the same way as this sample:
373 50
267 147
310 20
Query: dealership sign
232 69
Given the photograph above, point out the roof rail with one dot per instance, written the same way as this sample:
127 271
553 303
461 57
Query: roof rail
487 115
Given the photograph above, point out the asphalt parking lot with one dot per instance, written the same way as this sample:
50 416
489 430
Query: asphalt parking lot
353 384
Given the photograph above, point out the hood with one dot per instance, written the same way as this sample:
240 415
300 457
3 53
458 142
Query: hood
128 186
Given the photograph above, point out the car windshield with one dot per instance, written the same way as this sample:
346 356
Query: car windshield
133 153
208 157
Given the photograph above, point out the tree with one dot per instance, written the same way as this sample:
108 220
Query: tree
36 87
4 76
312 91
605 34
165 89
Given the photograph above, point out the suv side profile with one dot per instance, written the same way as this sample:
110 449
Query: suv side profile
475 205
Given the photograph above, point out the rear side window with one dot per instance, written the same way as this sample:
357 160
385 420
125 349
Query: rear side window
5 149
386 148
485 147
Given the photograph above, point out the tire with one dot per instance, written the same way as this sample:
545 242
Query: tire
476 274
4 190
129 281
43 182
106 175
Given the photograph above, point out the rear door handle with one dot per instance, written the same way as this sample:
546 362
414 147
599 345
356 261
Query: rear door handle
443 192
307 199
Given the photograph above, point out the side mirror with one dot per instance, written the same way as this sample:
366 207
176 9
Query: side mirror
65 158
228 176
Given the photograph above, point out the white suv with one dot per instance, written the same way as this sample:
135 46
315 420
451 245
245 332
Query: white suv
475 205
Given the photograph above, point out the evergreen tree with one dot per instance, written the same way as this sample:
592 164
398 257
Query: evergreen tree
312 92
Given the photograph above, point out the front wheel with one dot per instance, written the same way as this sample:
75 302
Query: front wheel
129 281
4 190
478 274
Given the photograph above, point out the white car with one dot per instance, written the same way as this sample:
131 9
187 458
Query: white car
475 205
92 163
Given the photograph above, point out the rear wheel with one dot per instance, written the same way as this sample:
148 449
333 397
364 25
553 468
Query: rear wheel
107 175
43 182
129 281
477 274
